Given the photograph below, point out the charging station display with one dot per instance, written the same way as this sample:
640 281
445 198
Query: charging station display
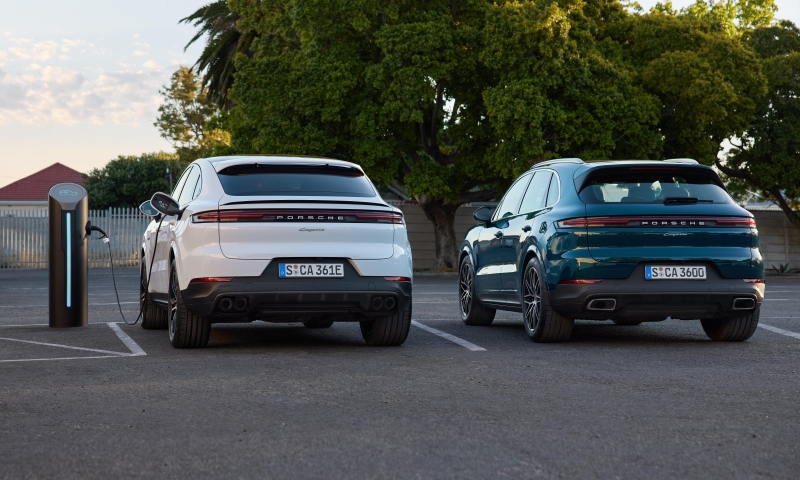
68 205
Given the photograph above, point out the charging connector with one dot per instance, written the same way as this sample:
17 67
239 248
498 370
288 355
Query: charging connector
91 228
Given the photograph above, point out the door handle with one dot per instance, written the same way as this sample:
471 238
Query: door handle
498 234
526 228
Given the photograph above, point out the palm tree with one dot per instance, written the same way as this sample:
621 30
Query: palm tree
224 42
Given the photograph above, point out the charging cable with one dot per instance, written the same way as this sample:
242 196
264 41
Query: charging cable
91 228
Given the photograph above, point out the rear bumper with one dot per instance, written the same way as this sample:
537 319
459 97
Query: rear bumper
635 297
268 297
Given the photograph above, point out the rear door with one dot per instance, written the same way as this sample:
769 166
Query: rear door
520 228
493 243
273 211
671 214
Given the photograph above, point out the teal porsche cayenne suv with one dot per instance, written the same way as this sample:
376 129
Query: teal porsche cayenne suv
628 241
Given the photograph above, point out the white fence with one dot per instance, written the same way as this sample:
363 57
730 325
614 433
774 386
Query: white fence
24 239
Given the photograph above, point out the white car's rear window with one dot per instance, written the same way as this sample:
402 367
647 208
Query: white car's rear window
295 180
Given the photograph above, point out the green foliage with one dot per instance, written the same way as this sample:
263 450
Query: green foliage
768 157
707 82
128 181
396 88
188 119
224 41
730 16
560 91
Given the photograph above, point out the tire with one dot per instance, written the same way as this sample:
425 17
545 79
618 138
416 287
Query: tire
625 322
186 330
472 312
732 329
318 322
542 323
153 317
388 331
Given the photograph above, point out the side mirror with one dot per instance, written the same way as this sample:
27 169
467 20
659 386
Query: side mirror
165 205
483 214
147 209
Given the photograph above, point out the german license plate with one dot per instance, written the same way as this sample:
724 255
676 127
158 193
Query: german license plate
674 272
305 270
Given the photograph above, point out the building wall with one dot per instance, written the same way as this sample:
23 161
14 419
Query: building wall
780 240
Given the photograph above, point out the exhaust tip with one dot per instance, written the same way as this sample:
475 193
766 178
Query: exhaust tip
240 303
606 304
744 304
225 304
389 303
377 303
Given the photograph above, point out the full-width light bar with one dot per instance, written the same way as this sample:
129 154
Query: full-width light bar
330 216
656 222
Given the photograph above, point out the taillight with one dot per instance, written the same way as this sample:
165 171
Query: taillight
211 279
656 221
397 279
206 217
579 282
352 216
754 280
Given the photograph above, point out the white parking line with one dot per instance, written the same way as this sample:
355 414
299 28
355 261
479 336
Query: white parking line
773 299
135 349
63 358
440 301
779 330
460 341
64 346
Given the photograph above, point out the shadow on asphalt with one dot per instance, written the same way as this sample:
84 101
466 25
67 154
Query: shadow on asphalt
603 333
244 336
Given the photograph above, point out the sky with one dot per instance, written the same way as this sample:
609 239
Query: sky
79 79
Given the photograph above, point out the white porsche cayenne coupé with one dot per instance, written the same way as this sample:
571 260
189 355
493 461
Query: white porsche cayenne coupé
278 239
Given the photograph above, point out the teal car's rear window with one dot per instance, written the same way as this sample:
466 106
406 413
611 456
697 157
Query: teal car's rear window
652 187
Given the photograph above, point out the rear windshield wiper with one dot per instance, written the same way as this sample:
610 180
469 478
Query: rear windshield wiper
686 200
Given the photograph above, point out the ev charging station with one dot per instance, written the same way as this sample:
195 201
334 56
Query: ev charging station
68 206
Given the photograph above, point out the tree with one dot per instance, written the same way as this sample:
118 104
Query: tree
224 41
706 81
561 92
127 181
452 99
768 156
188 119
731 16
371 84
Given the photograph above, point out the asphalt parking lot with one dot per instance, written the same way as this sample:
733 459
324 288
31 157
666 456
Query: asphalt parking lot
657 400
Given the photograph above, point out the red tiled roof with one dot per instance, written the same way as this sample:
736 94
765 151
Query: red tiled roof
35 187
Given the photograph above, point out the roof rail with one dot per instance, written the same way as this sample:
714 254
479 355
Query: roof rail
689 161
556 161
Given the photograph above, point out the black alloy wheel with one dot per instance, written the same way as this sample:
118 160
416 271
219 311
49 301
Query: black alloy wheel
531 299
173 305
542 323
472 312
153 317
465 289
186 330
